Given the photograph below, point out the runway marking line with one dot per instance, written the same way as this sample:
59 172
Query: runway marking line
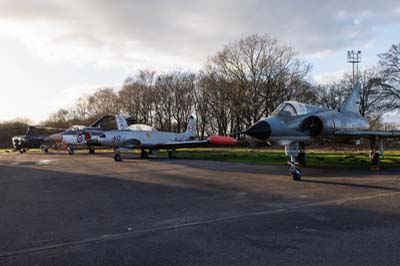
129 234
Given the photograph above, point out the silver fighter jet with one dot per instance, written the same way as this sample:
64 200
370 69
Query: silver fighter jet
293 124
149 139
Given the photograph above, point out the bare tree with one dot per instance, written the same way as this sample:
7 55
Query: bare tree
390 67
103 102
260 73
136 96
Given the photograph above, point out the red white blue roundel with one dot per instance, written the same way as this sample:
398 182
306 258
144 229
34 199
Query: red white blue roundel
80 138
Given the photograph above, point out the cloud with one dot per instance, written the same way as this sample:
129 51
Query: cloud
178 33
329 77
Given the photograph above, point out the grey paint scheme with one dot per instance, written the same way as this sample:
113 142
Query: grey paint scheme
293 123
316 122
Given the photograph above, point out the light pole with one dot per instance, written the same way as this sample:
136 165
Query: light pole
354 58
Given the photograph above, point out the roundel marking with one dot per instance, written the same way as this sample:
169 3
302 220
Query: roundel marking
80 138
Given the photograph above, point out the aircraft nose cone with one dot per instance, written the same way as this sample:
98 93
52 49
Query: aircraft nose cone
260 130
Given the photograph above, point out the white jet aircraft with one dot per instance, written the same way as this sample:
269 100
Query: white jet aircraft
145 137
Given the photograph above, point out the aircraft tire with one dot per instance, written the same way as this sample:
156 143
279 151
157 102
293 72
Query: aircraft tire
91 150
171 155
375 161
297 175
117 157
71 152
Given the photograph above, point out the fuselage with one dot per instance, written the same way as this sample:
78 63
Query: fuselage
139 138
78 136
27 142
297 122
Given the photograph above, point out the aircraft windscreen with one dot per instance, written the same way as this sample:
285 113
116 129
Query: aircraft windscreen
291 109
285 109
77 127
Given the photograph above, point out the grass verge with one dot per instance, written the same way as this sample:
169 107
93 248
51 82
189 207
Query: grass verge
315 157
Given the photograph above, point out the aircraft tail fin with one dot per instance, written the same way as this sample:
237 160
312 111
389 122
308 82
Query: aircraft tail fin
121 122
30 132
191 131
352 104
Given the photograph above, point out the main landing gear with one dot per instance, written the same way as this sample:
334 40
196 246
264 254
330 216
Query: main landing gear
144 154
375 155
118 158
91 150
172 154
292 150
44 148
70 151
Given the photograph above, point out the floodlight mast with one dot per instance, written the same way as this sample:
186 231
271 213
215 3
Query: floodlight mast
354 58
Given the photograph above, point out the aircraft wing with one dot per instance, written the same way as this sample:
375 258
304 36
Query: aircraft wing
135 143
213 140
368 133
182 144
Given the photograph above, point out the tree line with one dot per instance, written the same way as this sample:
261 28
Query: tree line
239 85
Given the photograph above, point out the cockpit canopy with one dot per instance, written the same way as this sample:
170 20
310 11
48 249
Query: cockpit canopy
76 127
140 127
292 108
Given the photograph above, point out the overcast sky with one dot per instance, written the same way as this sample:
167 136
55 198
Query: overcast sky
52 52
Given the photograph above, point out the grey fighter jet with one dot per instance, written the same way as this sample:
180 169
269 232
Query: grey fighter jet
293 124
149 139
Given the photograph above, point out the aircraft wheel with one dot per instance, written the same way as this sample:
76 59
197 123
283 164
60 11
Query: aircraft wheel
46 150
91 150
375 161
117 157
70 151
297 174
21 151
171 155
144 155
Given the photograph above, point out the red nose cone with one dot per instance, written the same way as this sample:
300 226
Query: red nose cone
221 140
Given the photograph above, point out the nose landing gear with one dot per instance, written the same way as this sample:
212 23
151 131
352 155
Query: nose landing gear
70 151
292 150
117 155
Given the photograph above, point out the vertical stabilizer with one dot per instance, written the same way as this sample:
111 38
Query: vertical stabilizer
191 131
121 122
352 104
30 133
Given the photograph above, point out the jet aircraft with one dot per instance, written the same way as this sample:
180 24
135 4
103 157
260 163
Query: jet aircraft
81 136
294 124
30 140
33 140
147 138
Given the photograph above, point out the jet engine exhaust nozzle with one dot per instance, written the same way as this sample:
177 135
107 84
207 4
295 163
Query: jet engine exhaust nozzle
260 130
